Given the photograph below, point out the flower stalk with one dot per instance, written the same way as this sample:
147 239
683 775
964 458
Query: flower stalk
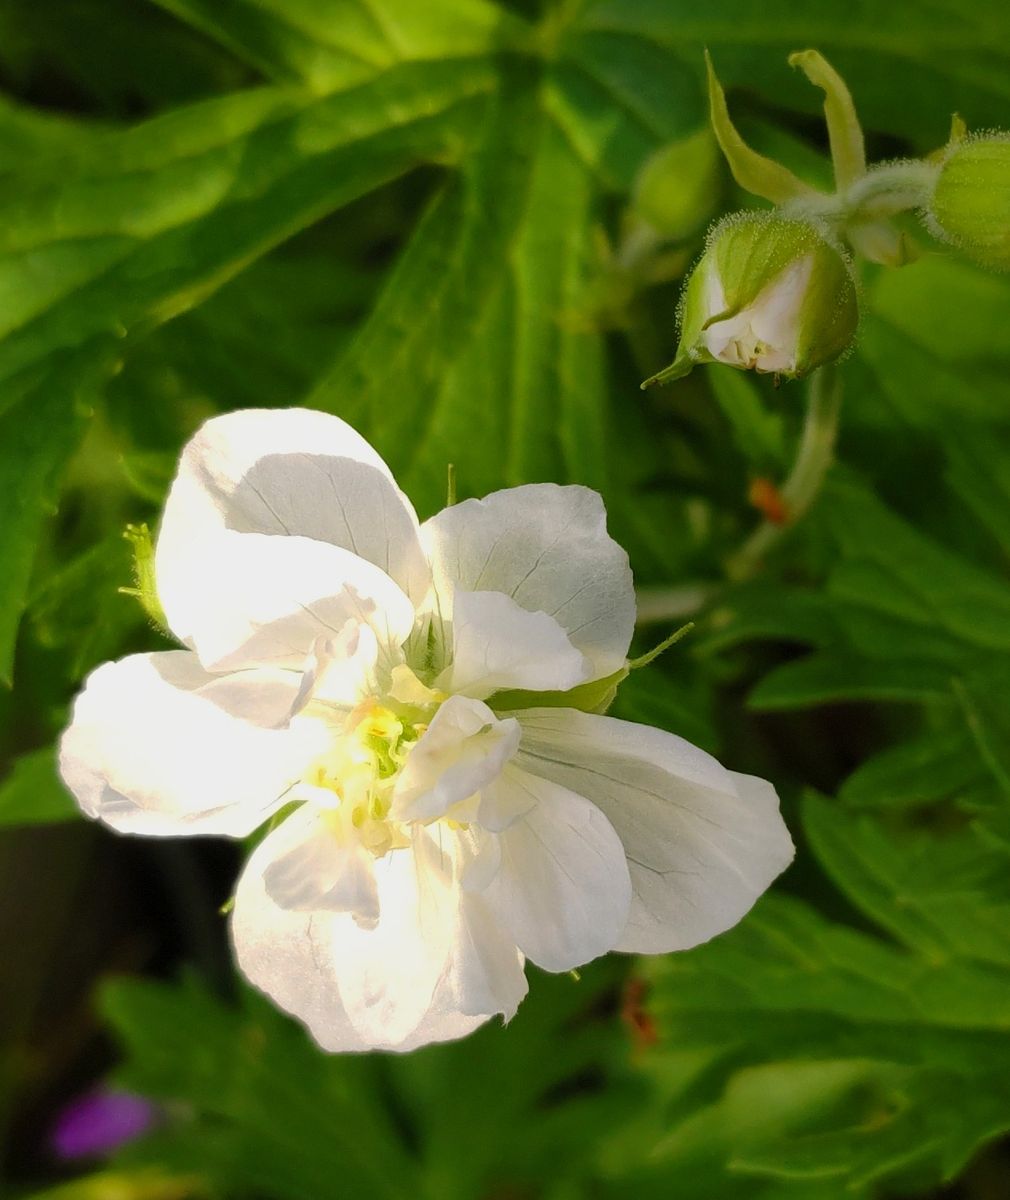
813 460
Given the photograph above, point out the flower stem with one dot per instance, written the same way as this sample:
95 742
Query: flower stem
892 188
814 457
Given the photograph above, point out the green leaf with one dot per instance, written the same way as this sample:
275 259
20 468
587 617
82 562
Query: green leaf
32 792
328 43
937 766
39 432
908 616
267 1110
617 99
902 620
113 233
257 1107
485 301
759 432
939 896
78 606
152 219
898 64
899 1037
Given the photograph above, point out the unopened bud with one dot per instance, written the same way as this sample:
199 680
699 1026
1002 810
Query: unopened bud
970 206
769 294
677 190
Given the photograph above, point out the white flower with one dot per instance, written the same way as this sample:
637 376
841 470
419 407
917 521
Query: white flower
347 669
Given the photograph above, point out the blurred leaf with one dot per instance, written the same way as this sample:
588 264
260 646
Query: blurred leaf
142 58
151 219
936 766
902 619
326 43
259 1107
39 432
902 63
937 895
264 1108
32 793
117 231
757 430
79 606
125 1185
485 301
672 697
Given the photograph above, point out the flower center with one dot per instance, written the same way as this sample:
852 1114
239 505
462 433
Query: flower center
354 780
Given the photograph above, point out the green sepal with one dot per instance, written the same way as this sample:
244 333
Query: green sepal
593 697
754 172
830 312
139 537
650 656
691 317
845 134
682 365
881 242
750 251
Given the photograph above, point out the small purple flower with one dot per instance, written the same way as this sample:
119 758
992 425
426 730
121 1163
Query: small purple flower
99 1122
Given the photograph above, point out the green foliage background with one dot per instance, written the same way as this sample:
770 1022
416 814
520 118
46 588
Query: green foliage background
398 212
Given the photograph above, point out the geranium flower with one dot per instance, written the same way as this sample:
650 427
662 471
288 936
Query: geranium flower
389 693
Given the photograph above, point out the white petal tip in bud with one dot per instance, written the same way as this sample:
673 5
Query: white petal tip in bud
770 294
764 336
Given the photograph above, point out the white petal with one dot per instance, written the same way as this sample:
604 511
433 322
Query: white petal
765 335
460 752
259 600
481 859
421 958
434 967
702 843
276 950
563 889
158 746
318 871
497 644
484 973
548 548
505 800
292 472
440 1026
340 671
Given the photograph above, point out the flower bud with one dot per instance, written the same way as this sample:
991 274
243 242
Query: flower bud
769 294
677 190
971 202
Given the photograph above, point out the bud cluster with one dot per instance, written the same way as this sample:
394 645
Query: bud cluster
775 291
